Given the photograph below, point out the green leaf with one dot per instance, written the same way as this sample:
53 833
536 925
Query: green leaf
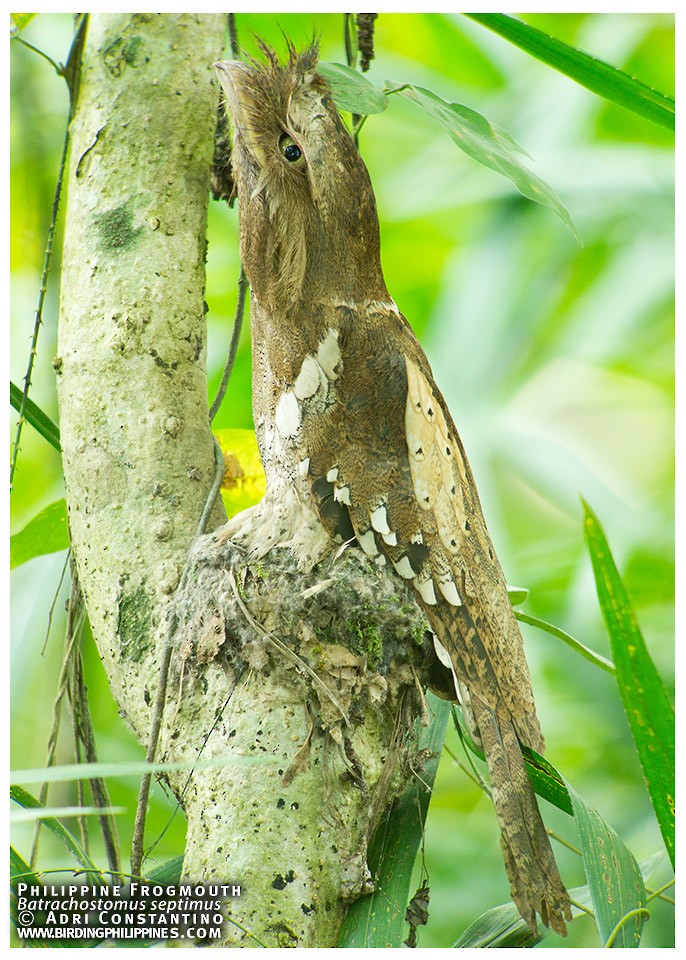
645 699
33 414
90 771
28 801
47 532
485 143
379 919
19 20
20 869
596 75
244 482
167 873
351 91
499 927
613 876
586 652
46 813
517 595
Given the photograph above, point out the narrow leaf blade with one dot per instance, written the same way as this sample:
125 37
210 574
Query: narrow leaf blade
47 532
596 75
24 799
351 91
34 415
500 926
379 919
646 702
613 876
480 140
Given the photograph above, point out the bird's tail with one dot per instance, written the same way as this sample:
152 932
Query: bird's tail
535 881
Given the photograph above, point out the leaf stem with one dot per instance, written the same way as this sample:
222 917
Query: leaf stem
585 651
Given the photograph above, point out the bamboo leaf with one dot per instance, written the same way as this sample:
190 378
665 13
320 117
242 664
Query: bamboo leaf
351 91
47 532
244 482
486 144
38 813
379 919
596 75
38 419
29 802
90 771
167 873
500 926
645 699
613 876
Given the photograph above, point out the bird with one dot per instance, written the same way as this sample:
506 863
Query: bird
356 439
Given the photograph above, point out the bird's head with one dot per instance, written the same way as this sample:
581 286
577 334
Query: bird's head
309 227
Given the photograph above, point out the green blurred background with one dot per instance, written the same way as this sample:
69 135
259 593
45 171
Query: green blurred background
556 361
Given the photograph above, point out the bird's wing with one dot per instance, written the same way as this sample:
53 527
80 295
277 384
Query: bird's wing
388 451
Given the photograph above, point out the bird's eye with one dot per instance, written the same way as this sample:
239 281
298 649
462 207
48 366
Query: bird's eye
290 150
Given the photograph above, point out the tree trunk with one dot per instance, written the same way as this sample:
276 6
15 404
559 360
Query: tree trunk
132 386
307 684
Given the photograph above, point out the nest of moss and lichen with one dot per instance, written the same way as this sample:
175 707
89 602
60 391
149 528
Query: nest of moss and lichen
346 619
347 640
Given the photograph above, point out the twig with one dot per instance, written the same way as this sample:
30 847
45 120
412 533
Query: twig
54 602
283 649
59 69
233 346
75 615
47 259
233 37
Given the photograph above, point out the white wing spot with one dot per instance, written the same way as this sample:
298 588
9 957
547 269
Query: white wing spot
449 591
426 591
404 568
304 467
390 538
367 541
287 415
308 380
332 474
342 494
379 519
329 354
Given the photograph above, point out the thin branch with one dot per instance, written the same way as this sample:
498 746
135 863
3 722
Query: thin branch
54 602
233 346
233 37
59 69
41 302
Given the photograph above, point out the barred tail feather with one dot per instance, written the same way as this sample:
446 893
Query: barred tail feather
535 881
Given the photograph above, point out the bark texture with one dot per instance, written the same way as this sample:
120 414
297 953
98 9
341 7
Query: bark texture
132 384
305 686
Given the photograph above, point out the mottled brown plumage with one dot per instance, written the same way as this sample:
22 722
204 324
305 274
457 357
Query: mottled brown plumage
355 437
